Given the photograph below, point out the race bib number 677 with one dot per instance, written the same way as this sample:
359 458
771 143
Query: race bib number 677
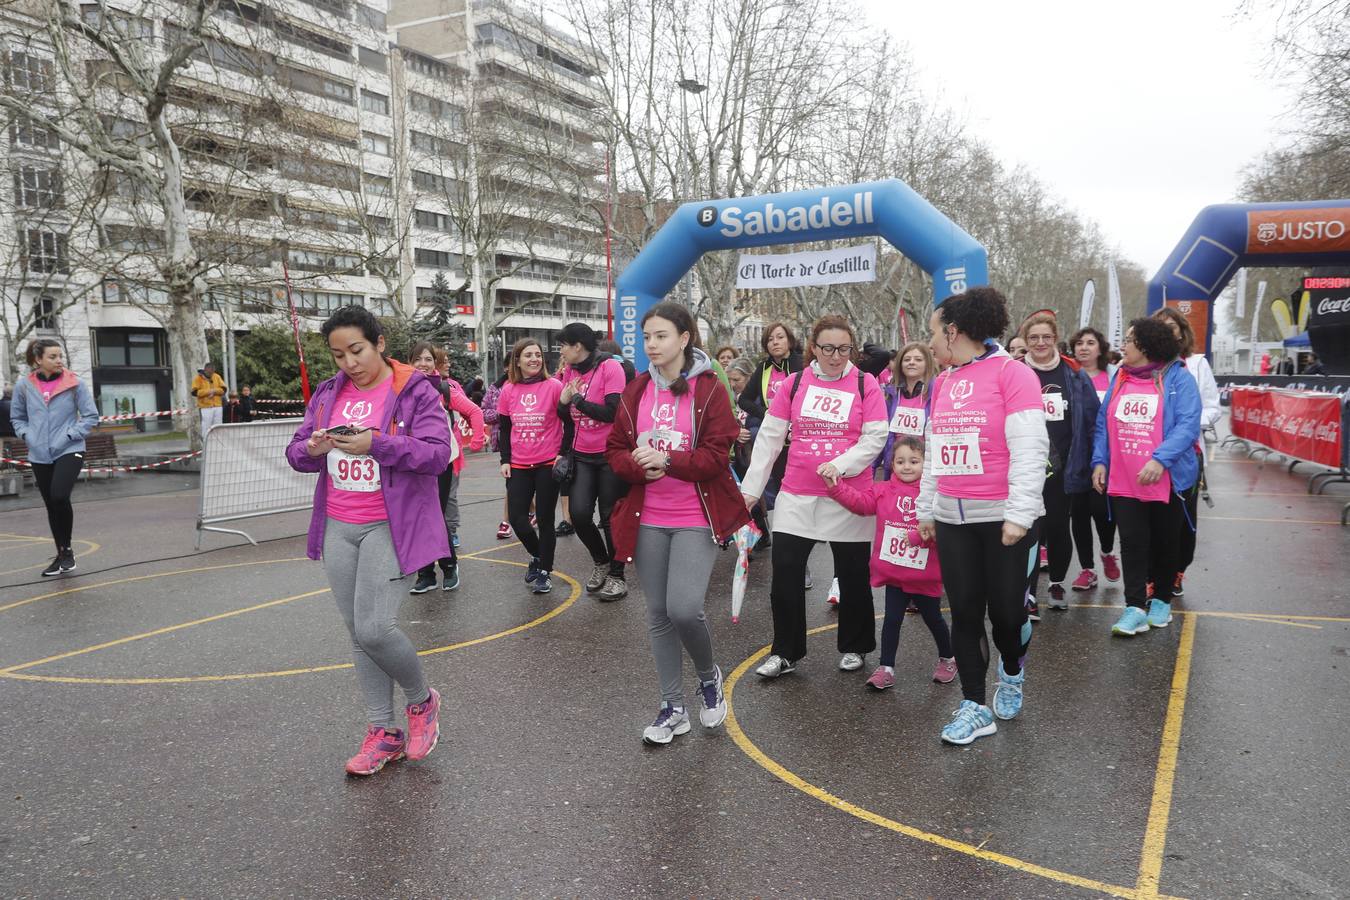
957 454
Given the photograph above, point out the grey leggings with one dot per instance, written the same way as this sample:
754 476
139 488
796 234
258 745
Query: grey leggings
452 504
364 576
675 602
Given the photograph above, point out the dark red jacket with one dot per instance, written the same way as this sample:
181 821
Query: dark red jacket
715 429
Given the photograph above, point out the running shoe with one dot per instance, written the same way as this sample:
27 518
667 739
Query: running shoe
451 581
881 679
424 726
810 583
1045 557
425 582
971 720
671 722
54 568
1110 567
912 609
614 589
542 584
1008 693
1159 614
66 560
945 670
851 662
774 666
378 749
454 540
533 571
503 531
1176 587
1086 581
1033 611
564 529
1133 621
1057 598
714 711
832 595
597 580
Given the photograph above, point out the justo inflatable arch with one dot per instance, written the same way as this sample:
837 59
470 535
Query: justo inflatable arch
890 209
1227 237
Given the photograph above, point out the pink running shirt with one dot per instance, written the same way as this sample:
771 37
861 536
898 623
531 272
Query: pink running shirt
776 378
967 444
355 495
606 378
666 423
536 430
827 419
1100 382
1134 429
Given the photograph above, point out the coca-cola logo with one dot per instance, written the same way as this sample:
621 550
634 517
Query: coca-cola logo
1330 306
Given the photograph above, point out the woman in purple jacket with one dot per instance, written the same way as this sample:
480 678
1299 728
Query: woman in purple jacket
378 435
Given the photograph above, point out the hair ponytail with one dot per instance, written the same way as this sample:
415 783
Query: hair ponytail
37 349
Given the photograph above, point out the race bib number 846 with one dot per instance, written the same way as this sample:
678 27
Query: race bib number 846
1137 409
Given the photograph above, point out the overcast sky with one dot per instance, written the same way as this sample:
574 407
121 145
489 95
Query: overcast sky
1136 114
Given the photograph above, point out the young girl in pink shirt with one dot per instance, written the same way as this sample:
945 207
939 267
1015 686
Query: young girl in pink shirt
901 560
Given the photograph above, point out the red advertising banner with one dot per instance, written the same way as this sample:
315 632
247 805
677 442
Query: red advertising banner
1197 313
1300 424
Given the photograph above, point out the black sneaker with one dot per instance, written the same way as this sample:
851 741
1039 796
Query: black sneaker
54 568
451 579
424 583
564 529
66 560
542 584
533 571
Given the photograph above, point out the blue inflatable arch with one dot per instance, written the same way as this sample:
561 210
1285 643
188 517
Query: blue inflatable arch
890 209
1227 237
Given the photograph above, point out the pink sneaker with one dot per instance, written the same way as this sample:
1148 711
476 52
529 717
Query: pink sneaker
503 531
1110 568
881 679
1086 580
424 726
379 748
945 670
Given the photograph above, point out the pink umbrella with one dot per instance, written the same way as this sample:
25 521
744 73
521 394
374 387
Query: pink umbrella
746 536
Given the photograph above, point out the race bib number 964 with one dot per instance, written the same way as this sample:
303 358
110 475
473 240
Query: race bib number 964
353 473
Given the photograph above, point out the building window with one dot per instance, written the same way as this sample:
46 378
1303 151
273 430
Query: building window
118 348
430 143
380 306
372 59
373 102
438 184
435 221
34 187
125 25
375 143
337 90
436 259
377 184
43 251
324 303
370 17
24 132
44 313
28 72
323 261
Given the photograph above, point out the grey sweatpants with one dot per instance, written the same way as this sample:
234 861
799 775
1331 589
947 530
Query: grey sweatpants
368 587
452 505
675 602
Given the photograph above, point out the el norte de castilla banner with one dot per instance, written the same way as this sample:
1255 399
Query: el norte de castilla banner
841 265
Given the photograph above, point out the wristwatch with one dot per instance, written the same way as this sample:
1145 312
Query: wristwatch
666 467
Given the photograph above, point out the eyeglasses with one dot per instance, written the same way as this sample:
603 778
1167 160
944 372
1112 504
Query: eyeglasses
1041 339
832 350
1129 339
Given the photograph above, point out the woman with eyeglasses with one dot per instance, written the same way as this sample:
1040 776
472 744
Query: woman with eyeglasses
1144 461
1093 353
837 416
981 493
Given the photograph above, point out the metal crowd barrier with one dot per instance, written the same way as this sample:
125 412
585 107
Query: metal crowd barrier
245 475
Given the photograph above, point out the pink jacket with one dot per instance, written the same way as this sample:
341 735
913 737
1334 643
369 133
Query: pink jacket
893 503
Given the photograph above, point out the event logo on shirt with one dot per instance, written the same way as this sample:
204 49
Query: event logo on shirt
357 410
528 402
663 415
905 504
961 392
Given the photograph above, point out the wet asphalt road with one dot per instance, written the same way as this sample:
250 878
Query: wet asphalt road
189 734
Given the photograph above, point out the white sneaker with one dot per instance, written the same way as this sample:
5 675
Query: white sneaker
851 662
809 582
774 666
671 722
714 711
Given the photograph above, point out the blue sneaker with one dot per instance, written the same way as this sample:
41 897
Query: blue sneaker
1159 613
1132 622
542 584
533 571
971 721
1008 693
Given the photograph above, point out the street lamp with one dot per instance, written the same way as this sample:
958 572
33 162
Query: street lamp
688 86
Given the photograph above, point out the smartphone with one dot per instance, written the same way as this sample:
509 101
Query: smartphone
346 430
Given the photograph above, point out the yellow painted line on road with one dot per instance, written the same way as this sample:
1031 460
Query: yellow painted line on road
1160 809
478 554
790 778
1277 618
1269 620
89 587
17 673
93 548
1274 521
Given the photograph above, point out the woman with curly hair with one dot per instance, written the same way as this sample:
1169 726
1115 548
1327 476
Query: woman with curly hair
1093 353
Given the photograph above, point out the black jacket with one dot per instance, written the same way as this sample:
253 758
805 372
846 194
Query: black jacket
752 400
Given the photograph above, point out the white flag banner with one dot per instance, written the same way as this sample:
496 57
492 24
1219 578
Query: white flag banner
842 265
1115 328
1256 324
1085 311
1241 293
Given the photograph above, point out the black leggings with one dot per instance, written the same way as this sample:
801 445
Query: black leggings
981 575
1149 535
1186 545
596 482
787 595
55 481
535 483
1052 529
443 482
929 607
1088 509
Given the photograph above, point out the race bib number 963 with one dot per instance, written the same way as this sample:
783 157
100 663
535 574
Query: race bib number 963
353 473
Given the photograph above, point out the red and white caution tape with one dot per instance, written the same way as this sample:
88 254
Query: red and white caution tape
279 402
143 415
102 469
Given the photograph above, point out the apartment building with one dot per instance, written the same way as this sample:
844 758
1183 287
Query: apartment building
313 144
